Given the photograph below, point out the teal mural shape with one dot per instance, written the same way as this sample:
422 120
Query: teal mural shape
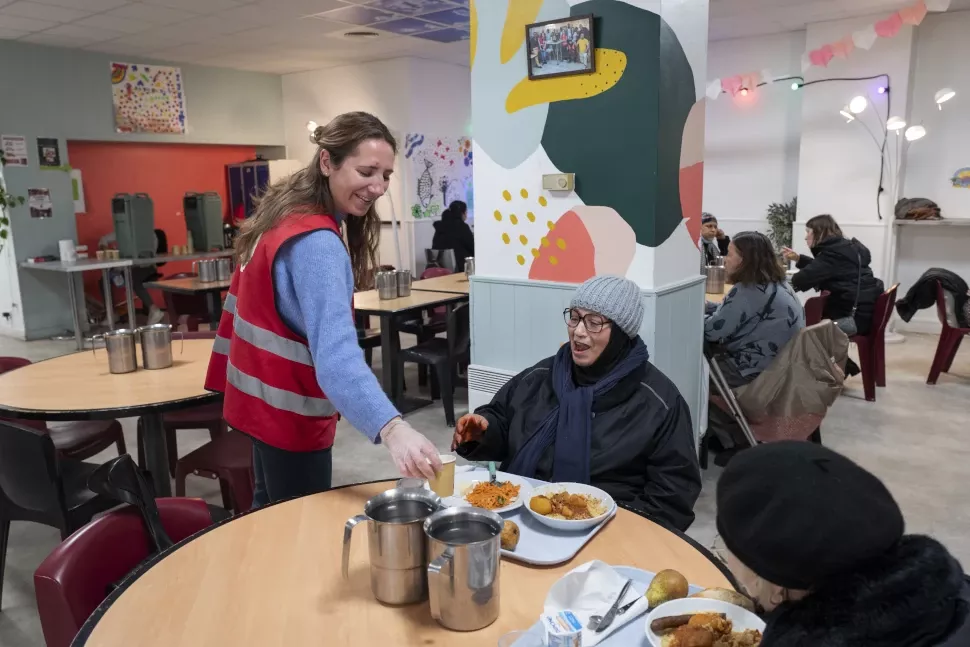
624 144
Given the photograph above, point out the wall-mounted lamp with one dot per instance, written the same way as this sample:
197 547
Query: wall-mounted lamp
943 96
915 132
895 124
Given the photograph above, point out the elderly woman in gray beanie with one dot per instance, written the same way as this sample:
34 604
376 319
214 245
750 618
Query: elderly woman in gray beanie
597 412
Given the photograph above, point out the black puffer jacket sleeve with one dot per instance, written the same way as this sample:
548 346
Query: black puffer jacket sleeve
813 272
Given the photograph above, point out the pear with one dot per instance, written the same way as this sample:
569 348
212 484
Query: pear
666 586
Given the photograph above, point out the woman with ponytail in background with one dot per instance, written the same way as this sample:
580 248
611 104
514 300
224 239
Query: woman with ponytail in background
452 232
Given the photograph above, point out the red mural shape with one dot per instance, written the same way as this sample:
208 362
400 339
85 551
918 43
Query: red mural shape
567 255
691 198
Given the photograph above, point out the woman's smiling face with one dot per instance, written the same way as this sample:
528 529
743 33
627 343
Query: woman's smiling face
362 177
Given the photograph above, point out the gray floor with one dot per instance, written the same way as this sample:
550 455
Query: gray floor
914 438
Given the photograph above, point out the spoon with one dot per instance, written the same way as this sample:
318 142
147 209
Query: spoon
491 472
594 621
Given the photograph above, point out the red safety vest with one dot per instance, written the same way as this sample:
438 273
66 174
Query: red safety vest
264 368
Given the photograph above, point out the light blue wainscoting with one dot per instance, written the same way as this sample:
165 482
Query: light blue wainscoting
516 323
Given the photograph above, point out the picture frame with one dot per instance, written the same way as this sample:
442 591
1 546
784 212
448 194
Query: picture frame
560 47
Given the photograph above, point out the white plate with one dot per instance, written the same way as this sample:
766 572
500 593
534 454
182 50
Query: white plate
742 619
465 482
572 488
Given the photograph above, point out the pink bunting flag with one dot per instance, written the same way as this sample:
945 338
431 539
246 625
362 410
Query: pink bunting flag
865 38
913 14
843 48
820 57
732 85
890 26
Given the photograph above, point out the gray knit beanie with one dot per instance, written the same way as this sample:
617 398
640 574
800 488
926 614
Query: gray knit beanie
614 297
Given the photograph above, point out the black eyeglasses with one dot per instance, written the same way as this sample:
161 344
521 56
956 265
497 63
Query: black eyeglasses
592 322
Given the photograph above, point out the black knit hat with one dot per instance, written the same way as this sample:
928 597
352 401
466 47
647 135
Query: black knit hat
798 514
707 217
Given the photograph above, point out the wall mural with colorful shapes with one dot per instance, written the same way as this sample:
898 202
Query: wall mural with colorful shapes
439 171
632 132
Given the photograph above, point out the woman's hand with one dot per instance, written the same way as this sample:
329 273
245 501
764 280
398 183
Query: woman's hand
790 254
414 455
469 428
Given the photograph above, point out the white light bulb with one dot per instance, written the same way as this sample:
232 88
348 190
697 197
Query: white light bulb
915 132
895 123
943 96
858 105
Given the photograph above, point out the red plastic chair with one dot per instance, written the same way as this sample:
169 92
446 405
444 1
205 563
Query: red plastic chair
228 458
950 338
815 308
872 347
79 439
190 309
74 579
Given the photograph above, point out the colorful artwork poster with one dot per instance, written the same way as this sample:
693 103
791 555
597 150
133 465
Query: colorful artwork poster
439 172
147 98
961 179
40 204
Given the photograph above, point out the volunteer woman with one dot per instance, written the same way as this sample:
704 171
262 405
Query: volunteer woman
286 355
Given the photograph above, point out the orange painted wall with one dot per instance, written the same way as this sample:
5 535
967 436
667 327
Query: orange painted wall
163 171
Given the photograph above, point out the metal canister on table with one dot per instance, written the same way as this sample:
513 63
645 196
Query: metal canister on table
120 345
224 268
715 279
207 270
470 266
403 283
156 346
386 283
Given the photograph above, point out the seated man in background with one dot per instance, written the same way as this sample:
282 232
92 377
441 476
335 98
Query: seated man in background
598 412
714 242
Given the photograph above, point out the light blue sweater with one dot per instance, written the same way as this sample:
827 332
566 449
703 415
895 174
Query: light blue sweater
314 287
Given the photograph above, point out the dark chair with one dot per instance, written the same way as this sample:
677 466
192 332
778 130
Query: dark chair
188 309
443 355
77 439
435 325
228 458
815 307
38 485
872 346
950 338
75 578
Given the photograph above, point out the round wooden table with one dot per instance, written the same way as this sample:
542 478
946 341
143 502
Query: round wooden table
80 387
272 577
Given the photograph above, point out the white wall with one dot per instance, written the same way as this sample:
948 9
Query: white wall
407 94
751 143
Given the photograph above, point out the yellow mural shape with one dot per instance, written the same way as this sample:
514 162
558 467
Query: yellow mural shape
610 65
498 215
535 252
514 219
554 260
521 259
531 216
550 224
544 241
523 240
543 201
506 239
524 193
561 244
473 33
520 14
507 195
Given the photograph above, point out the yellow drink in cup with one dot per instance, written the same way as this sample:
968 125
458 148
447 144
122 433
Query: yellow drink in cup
444 483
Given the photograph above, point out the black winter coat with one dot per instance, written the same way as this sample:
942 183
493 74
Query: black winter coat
915 597
722 248
451 232
642 446
836 268
923 294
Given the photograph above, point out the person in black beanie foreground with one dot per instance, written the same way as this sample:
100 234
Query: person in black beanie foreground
818 542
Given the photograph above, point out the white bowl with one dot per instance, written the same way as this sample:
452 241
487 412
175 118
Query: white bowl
572 488
465 482
742 619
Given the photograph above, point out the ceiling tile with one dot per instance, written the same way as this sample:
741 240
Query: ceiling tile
361 16
117 47
24 24
296 8
409 26
147 41
80 32
10 34
53 40
411 7
153 14
448 35
86 5
457 18
196 6
115 23
43 12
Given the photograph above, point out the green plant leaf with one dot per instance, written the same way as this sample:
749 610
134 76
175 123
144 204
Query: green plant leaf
3 234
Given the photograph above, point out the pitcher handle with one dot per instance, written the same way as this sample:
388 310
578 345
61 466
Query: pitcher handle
348 532
434 580
94 348
181 337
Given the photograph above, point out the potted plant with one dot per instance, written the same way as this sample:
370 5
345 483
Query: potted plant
7 201
781 217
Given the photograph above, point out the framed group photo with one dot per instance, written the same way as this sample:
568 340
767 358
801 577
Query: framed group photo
560 47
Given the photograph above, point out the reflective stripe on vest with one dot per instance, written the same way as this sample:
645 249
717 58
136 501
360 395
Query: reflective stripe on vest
230 304
279 398
271 342
220 345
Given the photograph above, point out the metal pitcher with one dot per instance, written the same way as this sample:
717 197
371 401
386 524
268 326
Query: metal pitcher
208 270
120 345
386 285
463 577
156 345
715 279
403 283
469 266
224 269
396 542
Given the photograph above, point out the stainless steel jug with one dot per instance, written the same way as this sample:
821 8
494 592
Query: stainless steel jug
403 283
386 283
440 258
208 270
156 345
463 576
470 266
120 345
396 542
715 279
224 269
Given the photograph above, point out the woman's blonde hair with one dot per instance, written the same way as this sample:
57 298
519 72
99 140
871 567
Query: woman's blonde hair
308 192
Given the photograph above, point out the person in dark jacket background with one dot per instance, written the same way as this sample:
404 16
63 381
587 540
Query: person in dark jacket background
452 232
841 267
598 412
818 542
714 242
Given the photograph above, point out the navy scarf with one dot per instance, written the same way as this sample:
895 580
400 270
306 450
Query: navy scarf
570 424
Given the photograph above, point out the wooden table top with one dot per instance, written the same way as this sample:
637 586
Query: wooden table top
368 302
79 386
457 283
273 577
717 298
188 286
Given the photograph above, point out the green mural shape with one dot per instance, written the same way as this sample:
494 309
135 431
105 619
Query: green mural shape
624 144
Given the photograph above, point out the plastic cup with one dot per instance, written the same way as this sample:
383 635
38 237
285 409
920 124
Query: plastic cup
444 483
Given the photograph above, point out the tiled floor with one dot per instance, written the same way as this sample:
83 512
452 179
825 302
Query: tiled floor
914 438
